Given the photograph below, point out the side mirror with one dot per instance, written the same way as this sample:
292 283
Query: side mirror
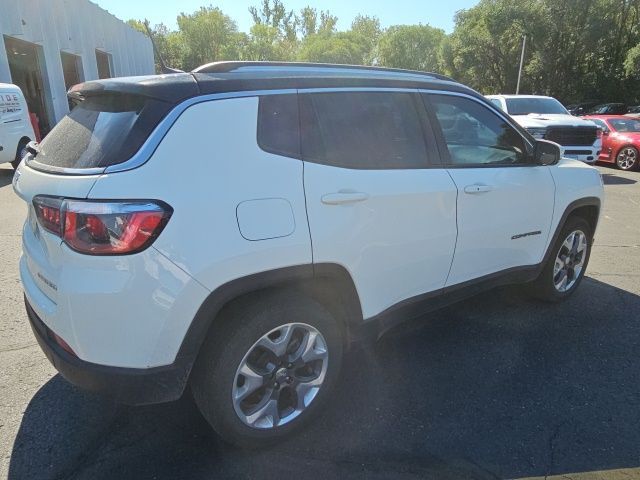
605 132
546 153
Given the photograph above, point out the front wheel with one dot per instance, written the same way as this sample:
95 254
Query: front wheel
567 263
268 368
627 158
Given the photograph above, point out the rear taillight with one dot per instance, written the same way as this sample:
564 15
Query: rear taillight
48 211
103 227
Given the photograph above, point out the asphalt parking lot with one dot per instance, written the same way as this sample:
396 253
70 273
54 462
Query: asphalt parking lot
498 386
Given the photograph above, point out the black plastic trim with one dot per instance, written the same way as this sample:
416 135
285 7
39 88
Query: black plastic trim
419 305
572 207
166 383
225 293
132 386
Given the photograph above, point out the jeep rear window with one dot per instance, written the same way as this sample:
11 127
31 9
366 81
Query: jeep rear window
101 131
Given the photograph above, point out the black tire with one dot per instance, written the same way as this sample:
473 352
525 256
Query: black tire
242 324
634 157
20 153
544 286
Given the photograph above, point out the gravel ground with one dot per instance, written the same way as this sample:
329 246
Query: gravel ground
498 386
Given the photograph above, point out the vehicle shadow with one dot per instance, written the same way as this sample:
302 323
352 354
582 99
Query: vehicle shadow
613 179
6 176
495 387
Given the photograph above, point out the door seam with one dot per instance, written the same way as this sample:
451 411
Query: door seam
455 246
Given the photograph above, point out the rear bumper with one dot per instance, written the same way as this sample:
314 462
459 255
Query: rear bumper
132 386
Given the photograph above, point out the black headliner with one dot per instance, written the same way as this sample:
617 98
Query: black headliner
226 77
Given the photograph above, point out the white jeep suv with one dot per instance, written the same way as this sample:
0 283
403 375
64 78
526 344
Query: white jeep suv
546 118
236 228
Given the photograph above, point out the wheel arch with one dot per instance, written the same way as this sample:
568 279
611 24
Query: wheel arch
328 283
587 208
23 141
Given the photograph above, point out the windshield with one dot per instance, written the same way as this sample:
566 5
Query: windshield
100 131
625 125
525 106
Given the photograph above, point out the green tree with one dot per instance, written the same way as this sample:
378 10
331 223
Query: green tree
276 16
341 47
366 31
414 47
576 49
169 44
484 48
310 22
209 35
632 62
266 43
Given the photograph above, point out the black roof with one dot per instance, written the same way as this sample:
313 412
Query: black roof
221 77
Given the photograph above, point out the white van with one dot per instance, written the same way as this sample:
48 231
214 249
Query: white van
15 126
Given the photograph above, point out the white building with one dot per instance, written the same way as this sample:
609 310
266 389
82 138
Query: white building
48 45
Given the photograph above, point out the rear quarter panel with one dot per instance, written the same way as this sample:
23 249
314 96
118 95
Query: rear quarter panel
208 165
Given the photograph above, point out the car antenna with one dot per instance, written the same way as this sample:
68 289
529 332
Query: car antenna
163 66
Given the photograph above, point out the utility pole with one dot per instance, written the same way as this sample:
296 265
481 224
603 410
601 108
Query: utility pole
524 43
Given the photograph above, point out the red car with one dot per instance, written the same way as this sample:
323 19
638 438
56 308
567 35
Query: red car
620 139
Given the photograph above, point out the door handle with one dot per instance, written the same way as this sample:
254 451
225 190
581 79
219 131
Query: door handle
342 198
477 188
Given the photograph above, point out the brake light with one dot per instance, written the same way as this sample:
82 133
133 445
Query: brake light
48 213
103 228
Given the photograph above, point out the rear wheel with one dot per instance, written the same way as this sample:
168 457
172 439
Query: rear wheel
20 154
627 158
567 264
268 369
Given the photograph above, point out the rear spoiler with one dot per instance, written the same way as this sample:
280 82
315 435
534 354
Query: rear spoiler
171 88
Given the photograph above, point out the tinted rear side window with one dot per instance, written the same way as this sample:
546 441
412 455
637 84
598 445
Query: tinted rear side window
101 131
278 125
362 130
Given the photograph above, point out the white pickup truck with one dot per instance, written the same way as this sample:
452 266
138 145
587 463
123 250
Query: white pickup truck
15 126
546 118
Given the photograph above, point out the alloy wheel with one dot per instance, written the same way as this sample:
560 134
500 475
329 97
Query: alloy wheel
280 375
627 158
570 261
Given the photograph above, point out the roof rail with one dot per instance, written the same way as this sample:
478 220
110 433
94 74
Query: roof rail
238 66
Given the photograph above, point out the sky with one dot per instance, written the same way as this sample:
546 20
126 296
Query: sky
436 13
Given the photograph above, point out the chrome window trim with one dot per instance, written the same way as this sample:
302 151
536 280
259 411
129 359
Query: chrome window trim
154 139
152 142
356 89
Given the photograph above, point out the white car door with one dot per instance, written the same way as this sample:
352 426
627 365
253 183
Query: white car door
374 204
505 201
